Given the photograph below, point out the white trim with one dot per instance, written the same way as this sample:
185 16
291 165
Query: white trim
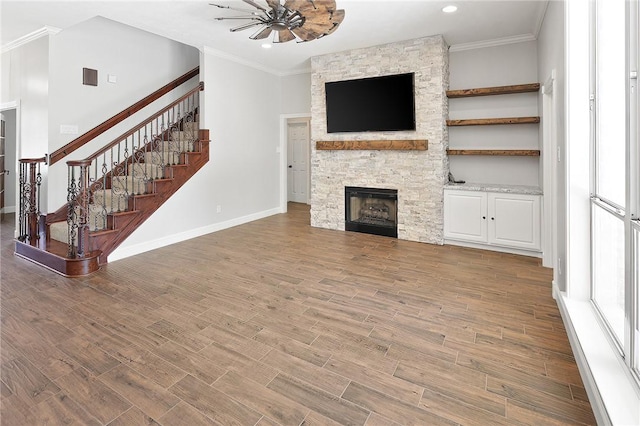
540 21
44 31
9 209
283 158
610 389
500 249
3 107
294 72
125 252
9 105
251 64
492 43
550 158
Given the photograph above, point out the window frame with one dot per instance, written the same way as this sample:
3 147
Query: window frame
629 348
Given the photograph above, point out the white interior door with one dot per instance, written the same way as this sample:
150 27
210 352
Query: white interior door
2 168
298 140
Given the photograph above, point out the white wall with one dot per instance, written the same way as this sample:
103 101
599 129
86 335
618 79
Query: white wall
551 57
28 82
296 94
241 108
141 61
25 82
486 67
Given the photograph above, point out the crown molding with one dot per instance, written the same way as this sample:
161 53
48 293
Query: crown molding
220 54
543 13
295 72
492 43
42 32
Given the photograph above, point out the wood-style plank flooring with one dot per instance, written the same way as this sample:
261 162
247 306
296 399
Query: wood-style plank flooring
275 322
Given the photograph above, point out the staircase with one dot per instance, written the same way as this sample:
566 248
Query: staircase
112 192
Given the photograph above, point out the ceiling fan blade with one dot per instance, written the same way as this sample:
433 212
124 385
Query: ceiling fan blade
254 4
331 30
251 18
320 5
296 4
318 24
274 4
284 35
232 8
304 34
337 16
263 33
244 27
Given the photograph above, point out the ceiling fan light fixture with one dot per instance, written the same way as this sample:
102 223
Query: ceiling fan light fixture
300 20
450 9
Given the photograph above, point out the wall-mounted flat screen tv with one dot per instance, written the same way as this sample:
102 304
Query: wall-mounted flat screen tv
374 104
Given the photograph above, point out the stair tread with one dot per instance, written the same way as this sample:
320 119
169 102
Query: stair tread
125 213
103 232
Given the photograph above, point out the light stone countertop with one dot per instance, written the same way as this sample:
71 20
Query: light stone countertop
486 187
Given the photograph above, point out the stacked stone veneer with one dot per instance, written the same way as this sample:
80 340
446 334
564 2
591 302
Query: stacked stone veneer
419 176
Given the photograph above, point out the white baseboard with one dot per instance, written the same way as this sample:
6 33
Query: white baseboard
493 248
612 394
122 253
9 209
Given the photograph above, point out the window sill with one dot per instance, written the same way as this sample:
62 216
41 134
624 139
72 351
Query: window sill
614 397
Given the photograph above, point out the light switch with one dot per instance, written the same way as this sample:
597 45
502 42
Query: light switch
112 78
68 129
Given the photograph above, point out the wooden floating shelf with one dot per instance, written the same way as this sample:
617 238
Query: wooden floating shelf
498 90
493 121
401 145
502 152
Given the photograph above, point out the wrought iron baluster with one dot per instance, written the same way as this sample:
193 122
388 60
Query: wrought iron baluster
30 180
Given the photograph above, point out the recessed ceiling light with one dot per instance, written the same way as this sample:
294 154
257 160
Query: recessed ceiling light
266 45
449 9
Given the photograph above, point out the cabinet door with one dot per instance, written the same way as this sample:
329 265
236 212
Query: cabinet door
514 220
465 215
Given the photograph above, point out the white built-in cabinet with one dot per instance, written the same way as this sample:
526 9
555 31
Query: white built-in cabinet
493 219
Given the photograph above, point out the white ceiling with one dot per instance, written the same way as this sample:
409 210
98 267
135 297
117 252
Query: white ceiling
367 23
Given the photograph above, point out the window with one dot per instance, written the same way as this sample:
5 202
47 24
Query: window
615 234
636 308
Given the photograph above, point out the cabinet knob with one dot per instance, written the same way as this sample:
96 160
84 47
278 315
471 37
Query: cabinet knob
492 218
484 217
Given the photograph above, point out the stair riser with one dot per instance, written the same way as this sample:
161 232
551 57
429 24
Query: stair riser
110 201
128 185
162 158
146 171
191 126
59 231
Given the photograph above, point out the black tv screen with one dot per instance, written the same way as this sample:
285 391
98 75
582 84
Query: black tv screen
371 104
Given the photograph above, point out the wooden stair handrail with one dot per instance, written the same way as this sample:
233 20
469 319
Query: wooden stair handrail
132 130
33 160
80 141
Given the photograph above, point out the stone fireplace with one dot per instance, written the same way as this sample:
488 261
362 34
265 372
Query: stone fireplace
417 175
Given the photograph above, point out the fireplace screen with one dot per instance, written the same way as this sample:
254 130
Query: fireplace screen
371 210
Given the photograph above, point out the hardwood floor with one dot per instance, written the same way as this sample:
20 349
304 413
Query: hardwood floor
275 322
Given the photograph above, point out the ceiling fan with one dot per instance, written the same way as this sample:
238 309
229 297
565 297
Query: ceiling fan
300 20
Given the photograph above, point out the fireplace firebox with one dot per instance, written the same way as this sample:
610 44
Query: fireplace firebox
371 210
